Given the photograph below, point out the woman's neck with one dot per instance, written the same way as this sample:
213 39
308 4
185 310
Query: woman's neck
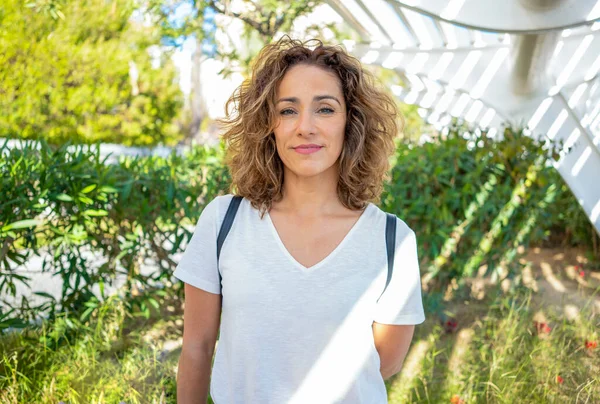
310 197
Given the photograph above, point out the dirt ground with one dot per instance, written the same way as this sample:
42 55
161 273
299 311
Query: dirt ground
564 280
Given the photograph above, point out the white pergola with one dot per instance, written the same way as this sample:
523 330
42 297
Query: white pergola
495 62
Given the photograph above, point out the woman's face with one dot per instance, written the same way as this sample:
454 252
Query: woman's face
310 110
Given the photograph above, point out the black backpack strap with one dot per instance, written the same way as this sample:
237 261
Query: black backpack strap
226 226
390 243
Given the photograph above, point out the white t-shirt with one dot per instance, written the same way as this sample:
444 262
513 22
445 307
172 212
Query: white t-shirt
295 335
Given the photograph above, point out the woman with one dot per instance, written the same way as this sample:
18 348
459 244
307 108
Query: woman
300 309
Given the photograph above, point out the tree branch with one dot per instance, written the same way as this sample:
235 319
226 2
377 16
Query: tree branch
254 24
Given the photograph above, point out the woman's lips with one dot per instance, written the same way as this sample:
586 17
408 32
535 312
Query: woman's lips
307 150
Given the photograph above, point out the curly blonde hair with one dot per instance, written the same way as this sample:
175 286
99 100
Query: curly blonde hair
371 125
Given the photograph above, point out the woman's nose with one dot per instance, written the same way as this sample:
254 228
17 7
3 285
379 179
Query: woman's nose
306 124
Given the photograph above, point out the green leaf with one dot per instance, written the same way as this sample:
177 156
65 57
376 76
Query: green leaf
64 198
22 224
87 313
44 294
95 212
88 189
108 189
154 303
11 322
91 304
85 200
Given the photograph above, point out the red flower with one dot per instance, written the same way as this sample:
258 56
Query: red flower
591 344
559 380
456 400
451 325
581 273
542 328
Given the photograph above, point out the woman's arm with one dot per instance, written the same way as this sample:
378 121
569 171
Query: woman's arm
392 343
201 320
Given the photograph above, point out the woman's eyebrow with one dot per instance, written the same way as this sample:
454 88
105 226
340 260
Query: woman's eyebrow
317 98
326 97
293 100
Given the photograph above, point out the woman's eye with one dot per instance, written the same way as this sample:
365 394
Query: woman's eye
286 112
327 110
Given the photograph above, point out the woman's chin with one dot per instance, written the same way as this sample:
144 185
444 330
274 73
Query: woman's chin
309 172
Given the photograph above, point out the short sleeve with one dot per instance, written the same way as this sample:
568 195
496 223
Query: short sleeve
401 303
198 264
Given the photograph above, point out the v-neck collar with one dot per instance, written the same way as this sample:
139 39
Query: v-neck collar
330 256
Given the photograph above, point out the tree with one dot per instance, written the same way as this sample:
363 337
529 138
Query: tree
84 75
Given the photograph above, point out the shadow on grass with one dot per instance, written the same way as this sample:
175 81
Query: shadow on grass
509 345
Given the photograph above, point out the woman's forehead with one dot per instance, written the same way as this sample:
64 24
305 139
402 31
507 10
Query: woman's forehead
308 80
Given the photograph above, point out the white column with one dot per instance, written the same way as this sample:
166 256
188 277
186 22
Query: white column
530 57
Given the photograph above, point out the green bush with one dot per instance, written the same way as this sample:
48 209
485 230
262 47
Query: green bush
473 200
66 202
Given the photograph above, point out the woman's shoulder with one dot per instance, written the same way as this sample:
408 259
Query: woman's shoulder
217 207
401 226
219 201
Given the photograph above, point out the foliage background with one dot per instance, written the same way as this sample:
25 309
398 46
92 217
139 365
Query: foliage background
110 233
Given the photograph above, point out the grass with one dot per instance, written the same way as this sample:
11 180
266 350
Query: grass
105 361
501 355
495 354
